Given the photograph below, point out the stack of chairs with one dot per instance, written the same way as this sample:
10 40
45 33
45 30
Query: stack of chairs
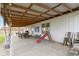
72 40
75 47
76 40
68 39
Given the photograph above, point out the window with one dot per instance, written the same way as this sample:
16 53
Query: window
47 24
44 26
36 29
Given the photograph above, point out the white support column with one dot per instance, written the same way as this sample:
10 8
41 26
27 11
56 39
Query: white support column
5 31
10 25
10 40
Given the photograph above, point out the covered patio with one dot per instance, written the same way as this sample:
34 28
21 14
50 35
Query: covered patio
39 18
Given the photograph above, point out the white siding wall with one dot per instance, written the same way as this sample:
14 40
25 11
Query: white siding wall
63 24
60 25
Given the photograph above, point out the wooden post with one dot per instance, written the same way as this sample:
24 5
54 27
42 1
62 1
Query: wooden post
10 24
4 17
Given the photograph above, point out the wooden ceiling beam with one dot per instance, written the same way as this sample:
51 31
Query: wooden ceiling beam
15 11
65 5
28 18
12 10
26 14
43 6
47 7
34 15
18 6
20 16
41 15
75 9
27 10
16 17
22 7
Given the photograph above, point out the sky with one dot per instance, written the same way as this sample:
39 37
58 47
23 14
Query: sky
1 22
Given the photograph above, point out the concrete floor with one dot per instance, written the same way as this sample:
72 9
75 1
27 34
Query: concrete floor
3 51
26 47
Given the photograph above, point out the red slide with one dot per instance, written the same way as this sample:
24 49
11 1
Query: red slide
41 38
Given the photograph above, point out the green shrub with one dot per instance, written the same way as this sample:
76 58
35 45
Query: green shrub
2 38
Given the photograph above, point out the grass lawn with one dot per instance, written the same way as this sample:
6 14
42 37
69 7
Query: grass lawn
2 38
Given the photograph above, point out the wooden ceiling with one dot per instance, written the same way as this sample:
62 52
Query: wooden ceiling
23 14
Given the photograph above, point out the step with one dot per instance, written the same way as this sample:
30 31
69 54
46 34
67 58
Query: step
76 40
76 44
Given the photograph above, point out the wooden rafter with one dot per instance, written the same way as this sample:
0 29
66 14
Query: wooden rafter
20 18
27 10
22 7
28 20
75 9
65 5
34 15
47 7
15 11
18 6
44 6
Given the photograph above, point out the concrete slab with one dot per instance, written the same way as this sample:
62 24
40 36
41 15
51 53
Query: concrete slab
26 47
3 51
